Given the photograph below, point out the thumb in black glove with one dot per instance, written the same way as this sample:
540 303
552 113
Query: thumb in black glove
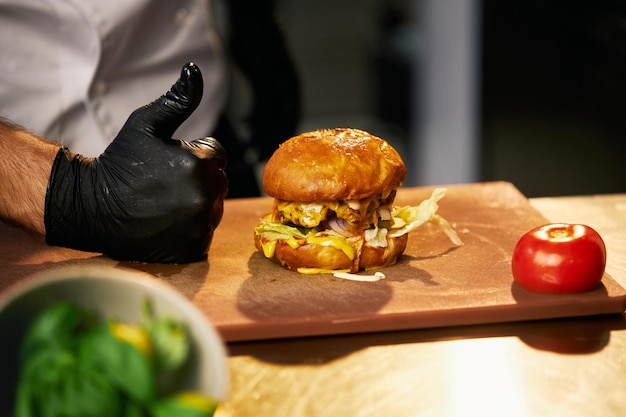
148 197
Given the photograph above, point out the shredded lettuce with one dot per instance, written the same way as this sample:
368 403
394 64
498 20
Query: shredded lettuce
408 218
276 231
405 219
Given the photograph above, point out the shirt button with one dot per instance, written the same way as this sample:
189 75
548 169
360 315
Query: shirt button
100 87
181 16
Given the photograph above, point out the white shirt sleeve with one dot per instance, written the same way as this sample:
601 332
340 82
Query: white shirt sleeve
74 70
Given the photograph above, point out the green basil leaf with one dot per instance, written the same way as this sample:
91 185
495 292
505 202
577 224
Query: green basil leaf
170 342
120 362
55 384
55 326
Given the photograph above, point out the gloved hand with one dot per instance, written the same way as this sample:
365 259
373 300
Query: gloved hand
148 197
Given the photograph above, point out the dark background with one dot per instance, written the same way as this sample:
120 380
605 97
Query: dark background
553 95
552 83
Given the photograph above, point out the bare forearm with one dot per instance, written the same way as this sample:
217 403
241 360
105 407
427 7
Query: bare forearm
25 164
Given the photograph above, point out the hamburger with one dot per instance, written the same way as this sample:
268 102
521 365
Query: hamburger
333 210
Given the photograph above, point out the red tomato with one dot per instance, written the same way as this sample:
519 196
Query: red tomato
559 258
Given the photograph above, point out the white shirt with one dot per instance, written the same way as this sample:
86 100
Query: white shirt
74 70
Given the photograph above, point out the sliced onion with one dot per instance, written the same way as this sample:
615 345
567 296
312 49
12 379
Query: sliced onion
340 226
384 212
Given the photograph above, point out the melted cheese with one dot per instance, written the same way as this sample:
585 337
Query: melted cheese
358 213
337 242
293 242
302 214
269 248
334 242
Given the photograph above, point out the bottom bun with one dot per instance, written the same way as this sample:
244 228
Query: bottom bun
379 257
329 258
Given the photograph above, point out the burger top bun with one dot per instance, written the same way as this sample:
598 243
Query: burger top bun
333 164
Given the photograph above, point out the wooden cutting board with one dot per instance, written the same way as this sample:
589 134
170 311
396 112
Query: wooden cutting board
434 284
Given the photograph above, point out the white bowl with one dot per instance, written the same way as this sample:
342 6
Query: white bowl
110 293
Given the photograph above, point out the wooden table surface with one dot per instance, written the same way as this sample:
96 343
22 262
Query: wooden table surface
560 367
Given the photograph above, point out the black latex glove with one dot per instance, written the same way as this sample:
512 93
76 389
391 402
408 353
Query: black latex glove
259 50
148 197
